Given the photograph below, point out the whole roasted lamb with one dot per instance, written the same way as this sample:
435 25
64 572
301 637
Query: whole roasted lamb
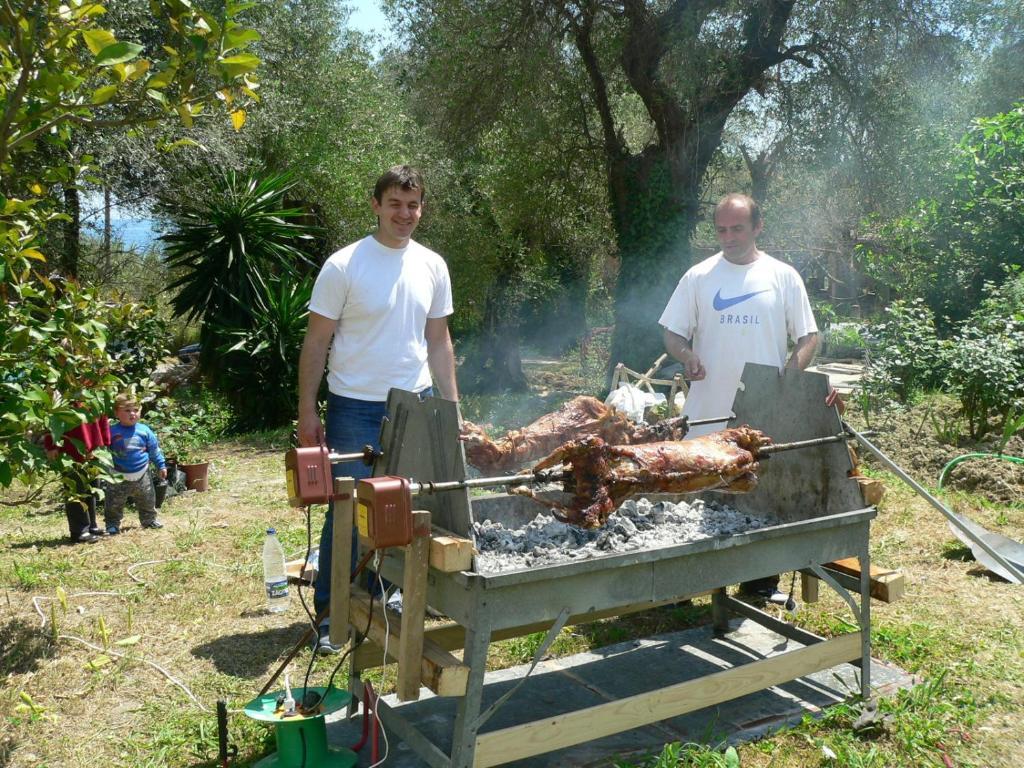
600 476
576 418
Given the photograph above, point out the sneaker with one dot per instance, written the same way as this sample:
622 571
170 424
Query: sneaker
97 532
395 602
322 645
153 524
113 530
84 538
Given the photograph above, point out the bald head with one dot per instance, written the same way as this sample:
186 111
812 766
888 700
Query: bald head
736 201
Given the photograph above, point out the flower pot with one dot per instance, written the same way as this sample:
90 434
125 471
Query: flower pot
196 475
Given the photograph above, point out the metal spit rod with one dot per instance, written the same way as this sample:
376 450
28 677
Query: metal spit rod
554 475
369 454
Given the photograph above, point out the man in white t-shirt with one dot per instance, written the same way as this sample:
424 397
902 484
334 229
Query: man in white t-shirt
385 302
736 307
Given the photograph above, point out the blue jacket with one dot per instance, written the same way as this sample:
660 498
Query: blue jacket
134 447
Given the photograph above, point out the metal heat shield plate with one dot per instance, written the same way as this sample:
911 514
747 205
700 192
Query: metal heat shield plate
420 440
804 483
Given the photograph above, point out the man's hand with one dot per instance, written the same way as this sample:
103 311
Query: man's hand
311 430
694 368
682 350
833 398
163 473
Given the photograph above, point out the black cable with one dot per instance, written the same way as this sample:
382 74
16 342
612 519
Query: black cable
345 655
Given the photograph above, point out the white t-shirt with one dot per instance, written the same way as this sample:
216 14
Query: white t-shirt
381 298
735 314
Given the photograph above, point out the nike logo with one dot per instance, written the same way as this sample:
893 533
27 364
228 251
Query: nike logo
720 302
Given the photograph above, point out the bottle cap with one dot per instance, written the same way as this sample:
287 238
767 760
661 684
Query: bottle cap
271 531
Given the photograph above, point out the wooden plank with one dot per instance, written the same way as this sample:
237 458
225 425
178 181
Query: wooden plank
809 587
341 557
451 636
293 569
450 553
541 736
440 671
886 585
414 605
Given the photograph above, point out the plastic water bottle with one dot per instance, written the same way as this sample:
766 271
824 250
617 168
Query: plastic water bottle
275 579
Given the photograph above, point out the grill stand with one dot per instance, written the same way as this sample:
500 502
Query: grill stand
808 490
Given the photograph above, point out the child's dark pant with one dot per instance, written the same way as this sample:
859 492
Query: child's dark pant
141 491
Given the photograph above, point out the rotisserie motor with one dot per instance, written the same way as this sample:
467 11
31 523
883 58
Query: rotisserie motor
579 417
600 476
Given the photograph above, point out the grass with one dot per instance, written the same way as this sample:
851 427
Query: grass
191 595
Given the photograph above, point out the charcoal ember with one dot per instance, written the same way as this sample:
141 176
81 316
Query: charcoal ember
625 527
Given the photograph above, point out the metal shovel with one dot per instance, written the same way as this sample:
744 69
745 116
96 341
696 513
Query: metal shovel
1002 556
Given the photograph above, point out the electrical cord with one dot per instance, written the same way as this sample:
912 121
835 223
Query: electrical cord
387 637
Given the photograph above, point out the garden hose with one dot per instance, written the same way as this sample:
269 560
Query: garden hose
946 469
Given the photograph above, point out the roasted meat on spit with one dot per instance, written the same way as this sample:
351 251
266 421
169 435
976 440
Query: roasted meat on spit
600 476
576 418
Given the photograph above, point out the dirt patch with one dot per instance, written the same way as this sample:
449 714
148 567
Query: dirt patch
910 438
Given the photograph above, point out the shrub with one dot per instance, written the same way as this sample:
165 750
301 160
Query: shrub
907 356
260 361
986 369
189 420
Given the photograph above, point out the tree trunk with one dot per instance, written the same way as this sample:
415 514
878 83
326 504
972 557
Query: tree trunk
72 233
655 219
107 265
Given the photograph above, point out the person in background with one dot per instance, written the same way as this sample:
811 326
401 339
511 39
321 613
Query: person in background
79 482
133 446
739 306
385 302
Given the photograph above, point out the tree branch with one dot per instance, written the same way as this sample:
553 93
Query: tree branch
583 27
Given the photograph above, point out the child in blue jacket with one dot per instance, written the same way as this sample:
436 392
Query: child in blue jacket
133 446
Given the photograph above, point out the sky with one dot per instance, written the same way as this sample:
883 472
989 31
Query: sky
367 16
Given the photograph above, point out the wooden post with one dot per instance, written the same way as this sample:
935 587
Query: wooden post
414 606
341 558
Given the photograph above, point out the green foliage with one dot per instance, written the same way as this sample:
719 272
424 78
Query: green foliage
259 362
986 369
226 244
907 356
947 246
138 340
676 754
55 369
189 421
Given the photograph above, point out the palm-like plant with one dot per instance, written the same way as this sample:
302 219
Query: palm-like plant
224 247
263 356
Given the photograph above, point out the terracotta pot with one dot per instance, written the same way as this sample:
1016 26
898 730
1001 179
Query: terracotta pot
196 475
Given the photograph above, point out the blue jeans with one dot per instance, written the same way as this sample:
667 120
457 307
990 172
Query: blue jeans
351 424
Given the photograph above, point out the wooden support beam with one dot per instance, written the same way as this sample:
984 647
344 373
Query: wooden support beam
341 557
441 672
452 636
886 585
414 605
549 734
450 553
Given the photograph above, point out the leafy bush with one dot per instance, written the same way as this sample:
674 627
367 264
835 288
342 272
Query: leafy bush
907 356
226 246
260 362
190 420
138 340
946 247
986 367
